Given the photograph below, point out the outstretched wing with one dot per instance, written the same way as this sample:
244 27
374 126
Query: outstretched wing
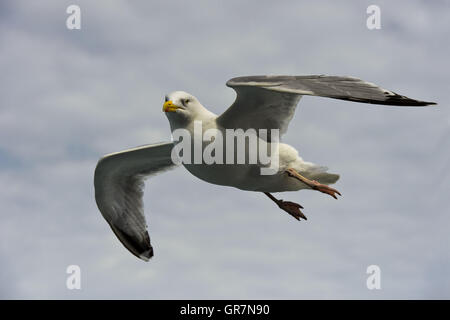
269 102
119 183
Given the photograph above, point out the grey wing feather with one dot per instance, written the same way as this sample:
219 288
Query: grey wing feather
119 184
269 101
346 88
258 108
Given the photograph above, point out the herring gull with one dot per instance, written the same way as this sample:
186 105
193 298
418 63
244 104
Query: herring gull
262 102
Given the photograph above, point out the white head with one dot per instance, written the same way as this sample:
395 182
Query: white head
181 107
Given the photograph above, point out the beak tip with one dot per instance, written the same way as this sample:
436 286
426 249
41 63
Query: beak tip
169 106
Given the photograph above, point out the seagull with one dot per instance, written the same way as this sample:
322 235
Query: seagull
262 102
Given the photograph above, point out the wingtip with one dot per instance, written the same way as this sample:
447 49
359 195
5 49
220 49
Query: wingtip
399 100
138 246
425 103
146 256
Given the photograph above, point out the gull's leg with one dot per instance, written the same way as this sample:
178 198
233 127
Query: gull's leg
313 184
290 207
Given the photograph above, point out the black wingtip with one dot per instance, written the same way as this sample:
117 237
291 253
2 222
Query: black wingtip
399 100
139 247
147 254
393 100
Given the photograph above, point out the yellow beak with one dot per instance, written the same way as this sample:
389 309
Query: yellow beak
169 106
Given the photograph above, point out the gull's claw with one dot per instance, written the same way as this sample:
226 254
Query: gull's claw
325 189
313 183
292 208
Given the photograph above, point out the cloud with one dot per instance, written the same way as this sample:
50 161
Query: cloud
71 96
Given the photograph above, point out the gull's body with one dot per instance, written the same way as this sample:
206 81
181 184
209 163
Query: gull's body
247 176
263 102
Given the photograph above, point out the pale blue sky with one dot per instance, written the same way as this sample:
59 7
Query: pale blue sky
69 96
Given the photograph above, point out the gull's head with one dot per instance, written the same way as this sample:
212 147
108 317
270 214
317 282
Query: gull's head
180 105
182 108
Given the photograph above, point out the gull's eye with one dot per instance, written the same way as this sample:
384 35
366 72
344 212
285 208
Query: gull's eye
166 98
186 101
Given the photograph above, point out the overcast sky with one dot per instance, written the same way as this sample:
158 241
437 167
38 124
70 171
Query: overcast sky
67 97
